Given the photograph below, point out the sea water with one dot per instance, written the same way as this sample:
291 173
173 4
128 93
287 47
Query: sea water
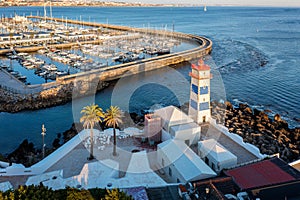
256 52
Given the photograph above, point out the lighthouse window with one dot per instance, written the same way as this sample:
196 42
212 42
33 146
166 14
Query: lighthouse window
204 90
195 88
204 106
194 104
203 99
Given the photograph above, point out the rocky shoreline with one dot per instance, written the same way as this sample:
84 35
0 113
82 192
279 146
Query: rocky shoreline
12 103
271 136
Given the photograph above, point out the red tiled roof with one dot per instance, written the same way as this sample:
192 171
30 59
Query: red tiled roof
259 174
201 66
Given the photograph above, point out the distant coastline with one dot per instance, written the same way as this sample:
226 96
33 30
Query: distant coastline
88 4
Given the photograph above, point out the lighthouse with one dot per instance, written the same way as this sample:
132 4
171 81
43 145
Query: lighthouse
199 108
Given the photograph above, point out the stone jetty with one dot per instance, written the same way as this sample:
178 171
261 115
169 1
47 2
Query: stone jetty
12 102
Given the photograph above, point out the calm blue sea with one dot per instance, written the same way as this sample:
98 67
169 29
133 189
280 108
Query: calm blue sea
244 39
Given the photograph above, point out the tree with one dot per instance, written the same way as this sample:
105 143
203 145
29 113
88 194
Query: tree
113 117
91 115
116 194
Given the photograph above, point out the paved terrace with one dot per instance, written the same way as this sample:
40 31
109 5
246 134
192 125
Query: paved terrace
243 155
73 162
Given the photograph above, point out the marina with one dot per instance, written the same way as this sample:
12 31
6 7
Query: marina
49 49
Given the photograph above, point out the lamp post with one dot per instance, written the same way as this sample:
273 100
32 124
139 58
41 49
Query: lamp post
43 136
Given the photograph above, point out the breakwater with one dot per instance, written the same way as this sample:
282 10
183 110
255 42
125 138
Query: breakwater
86 83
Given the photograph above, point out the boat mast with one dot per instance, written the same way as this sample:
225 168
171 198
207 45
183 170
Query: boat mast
50 9
45 11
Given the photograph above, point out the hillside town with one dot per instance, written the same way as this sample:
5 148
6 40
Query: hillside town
77 3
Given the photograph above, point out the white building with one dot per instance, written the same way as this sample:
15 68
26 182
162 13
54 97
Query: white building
215 155
176 124
180 163
199 107
189 133
172 116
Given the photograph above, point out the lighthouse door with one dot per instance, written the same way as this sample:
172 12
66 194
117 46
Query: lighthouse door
204 119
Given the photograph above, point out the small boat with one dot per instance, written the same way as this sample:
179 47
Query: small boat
31 66
42 51
133 57
22 78
163 51
44 73
38 61
3 66
12 57
14 73
152 51
49 67
205 9
61 73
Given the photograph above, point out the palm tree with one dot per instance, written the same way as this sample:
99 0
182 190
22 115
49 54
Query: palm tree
113 117
91 115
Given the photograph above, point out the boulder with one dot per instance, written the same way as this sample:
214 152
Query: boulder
228 106
277 118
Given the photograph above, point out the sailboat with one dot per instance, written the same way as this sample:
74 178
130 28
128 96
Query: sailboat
204 8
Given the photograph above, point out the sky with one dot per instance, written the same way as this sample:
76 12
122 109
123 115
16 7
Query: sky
289 3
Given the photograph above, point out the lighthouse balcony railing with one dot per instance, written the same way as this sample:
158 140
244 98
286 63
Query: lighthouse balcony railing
209 76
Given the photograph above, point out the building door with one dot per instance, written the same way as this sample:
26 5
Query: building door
206 160
187 142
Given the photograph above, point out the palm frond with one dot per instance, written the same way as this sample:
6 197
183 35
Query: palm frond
113 116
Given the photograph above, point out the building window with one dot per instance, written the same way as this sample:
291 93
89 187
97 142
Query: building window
170 171
178 181
162 162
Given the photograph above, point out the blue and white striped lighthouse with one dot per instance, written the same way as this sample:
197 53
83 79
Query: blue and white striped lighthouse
199 108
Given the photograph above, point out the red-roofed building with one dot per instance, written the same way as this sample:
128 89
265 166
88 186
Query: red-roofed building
259 174
267 179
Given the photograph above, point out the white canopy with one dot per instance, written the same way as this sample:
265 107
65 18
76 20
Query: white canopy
215 150
187 163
